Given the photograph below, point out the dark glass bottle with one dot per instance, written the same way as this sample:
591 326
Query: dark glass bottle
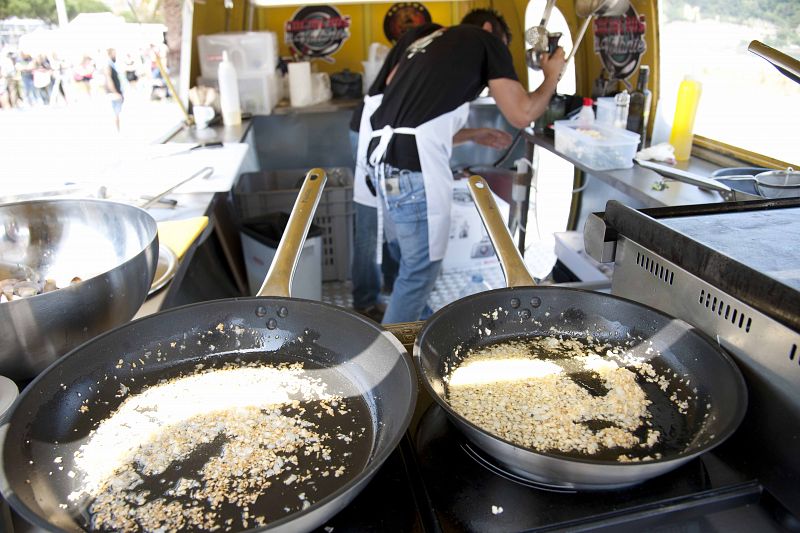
639 107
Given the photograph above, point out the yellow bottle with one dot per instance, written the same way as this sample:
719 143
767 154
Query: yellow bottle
683 123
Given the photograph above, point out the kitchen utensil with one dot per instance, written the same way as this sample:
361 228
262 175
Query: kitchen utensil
775 183
523 312
540 39
350 353
786 64
112 247
685 176
763 182
178 235
166 268
205 172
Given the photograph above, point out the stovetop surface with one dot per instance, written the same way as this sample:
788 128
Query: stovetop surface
759 239
469 496
436 482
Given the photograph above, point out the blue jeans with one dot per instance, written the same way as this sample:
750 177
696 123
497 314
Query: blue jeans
406 214
365 274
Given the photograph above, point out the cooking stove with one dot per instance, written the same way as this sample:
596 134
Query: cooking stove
467 491
690 265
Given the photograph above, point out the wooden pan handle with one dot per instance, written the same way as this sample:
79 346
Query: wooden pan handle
281 271
513 266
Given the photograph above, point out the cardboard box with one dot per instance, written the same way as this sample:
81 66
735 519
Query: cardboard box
469 247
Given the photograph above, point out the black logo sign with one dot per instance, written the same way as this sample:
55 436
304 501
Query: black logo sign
317 31
619 41
403 16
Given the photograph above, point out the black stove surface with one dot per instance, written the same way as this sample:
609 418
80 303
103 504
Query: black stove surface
467 492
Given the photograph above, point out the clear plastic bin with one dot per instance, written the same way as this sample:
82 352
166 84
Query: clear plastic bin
598 147
252 53
258 94
605 111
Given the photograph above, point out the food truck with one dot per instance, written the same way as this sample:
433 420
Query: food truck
606 339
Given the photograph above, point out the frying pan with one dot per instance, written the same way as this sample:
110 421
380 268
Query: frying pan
524 311
352 354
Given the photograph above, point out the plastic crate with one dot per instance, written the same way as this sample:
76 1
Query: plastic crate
271 191
598 147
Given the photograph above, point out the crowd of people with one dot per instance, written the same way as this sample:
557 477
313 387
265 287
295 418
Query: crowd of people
28 80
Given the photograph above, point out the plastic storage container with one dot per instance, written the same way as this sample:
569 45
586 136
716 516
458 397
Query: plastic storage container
250 52
260 239
605 111
597 147
270 191
258 94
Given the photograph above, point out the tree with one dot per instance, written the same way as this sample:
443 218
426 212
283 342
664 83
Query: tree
46 9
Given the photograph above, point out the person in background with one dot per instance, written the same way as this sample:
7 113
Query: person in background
43 79
25 66
406 139
7 71
366 275
114 85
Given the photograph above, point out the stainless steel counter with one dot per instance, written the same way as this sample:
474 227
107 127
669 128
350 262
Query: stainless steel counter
638 182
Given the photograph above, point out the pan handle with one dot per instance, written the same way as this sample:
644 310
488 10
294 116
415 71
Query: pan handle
281 271
513 266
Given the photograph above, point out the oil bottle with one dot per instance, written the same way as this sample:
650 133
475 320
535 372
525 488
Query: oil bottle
683 123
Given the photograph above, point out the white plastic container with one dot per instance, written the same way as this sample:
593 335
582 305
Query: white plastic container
229 92
598 147
605 111
258 94
259 252
251 52
300 84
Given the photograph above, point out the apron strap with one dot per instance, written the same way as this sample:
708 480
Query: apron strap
386 133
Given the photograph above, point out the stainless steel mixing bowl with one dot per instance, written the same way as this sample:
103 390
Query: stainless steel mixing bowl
112 247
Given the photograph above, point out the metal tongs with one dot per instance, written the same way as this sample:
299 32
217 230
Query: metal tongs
205 172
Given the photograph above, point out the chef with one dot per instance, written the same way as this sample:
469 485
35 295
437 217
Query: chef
365 274
407 134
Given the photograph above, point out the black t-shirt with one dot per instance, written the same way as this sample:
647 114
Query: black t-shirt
394 56
435 75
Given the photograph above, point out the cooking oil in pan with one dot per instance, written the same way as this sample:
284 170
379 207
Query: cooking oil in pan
236 447
607 400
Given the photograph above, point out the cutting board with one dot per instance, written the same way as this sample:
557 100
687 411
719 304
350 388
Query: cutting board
178 235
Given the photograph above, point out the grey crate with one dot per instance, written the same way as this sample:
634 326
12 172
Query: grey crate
270 191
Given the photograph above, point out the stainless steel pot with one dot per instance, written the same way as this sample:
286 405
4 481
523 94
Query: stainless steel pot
112 247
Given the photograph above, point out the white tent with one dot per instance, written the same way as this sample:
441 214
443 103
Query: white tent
89 32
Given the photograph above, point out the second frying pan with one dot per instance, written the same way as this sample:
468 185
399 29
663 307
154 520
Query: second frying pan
526 312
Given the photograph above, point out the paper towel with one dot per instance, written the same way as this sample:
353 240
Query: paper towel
300 91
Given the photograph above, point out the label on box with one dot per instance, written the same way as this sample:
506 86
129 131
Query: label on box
469 246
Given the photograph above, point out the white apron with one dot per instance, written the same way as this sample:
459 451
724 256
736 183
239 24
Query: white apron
434 146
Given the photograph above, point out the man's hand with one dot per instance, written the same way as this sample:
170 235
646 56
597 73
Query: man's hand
553 64
490 137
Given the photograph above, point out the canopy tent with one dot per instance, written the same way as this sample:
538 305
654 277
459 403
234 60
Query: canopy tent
89 32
